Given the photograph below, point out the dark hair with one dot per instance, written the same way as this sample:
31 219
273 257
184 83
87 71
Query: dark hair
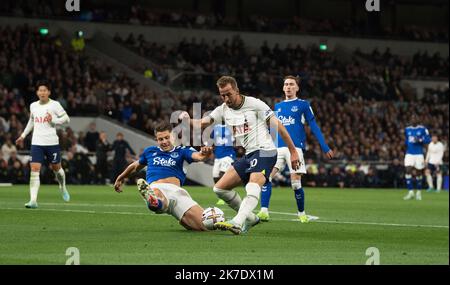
162 127
296 78
45 83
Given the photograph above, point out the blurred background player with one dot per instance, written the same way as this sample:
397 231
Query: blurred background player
162 187
120 147
416 137
248 117
293 113
45 115
435 154
224 153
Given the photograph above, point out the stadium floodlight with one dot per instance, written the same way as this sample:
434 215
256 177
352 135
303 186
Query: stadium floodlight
80 34
43 31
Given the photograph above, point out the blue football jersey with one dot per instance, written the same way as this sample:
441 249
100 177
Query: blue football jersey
415 139
223 142
163 164
293 114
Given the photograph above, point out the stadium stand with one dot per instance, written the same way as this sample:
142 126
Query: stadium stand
363 127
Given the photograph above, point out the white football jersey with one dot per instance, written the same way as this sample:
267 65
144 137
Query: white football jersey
435 153
44 132
248 123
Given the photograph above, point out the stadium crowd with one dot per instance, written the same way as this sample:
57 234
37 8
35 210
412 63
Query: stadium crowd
145 15
362 118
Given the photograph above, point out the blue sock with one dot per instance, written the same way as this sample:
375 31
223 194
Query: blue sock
300 198
419 180
156 206
409 184
266 192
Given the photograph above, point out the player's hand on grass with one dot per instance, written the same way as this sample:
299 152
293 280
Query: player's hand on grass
330 154
118 185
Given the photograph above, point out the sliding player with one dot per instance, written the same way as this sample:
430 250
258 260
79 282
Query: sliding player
162 187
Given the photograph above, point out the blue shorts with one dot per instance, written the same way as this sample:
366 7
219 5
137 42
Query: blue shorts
257 161
434 167
40 152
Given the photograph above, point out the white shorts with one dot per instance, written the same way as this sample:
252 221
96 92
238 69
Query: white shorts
179 199
221 165
415 160
284 157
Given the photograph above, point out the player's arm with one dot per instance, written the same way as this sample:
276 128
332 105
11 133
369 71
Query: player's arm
427 157
315 129
132 168
287 139
197 123
60 116
203 154
425 139
27 130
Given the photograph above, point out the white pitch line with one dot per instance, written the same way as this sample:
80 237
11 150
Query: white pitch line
277 219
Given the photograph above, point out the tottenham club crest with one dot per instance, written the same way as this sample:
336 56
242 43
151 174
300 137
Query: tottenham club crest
174 154
294 109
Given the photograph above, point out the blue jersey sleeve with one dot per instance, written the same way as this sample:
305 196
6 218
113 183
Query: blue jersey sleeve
143 158
187 154
426 138
309 117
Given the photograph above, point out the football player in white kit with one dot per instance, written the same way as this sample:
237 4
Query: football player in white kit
247 117
435 154
45 115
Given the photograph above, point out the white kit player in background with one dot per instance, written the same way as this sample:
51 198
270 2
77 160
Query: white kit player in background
434 160
45 115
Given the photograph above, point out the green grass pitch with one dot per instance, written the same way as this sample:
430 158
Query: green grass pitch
112 228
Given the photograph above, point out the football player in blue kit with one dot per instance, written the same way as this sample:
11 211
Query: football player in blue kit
164 177
293 113
416 137
224 153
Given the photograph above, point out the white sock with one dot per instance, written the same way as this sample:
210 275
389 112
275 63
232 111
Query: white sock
61 177
301 213
230 197
265 210
249 203
430 181
439 182
34 185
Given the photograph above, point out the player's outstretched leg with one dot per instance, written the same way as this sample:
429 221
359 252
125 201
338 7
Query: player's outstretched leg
34 189
245 217
61 178
266 193
153 202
